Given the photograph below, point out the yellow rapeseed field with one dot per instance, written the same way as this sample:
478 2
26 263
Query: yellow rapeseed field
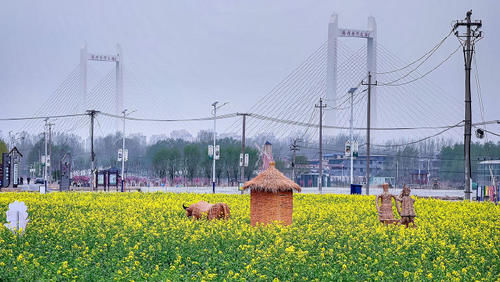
136 236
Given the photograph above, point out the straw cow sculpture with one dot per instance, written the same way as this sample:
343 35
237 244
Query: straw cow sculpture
210 211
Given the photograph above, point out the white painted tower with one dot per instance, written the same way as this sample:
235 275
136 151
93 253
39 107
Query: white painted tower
334 32
85 56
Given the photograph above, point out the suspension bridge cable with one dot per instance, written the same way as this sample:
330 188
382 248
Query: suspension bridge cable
287 109
307 78
55 97
417 99
349 60
392 59
427 55
293 89
392 83
290 77
310 86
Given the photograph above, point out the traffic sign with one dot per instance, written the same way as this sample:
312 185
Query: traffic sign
120 154
217 152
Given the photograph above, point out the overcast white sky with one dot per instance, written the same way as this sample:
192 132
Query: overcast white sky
187 54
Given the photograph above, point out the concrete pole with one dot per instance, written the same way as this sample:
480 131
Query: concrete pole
351 137
368 137
368 124
50 152
397 172
92 154
45 161
468 110
468 48
243 139
294 148
320 180
123 151
294 155
215 133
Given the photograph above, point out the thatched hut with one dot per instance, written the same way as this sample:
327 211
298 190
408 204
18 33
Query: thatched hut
271 197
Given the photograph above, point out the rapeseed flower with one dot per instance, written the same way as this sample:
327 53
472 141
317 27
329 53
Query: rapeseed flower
138 236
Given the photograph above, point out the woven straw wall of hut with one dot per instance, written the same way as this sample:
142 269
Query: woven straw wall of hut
266 207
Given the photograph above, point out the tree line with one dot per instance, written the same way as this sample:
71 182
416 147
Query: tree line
172 158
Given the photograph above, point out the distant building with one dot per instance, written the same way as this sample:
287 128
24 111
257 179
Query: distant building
311 179
484 172
340 166
420 177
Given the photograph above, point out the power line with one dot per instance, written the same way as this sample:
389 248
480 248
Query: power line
299 123
41 117
493 133
420 140
253 115
429 53
392 83
226 116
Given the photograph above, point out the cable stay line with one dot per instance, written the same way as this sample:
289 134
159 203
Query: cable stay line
427 55
393 83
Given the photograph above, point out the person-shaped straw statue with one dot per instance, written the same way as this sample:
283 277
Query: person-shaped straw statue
385 214
407 207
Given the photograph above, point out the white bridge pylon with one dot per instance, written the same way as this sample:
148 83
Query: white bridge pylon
117 58
334 32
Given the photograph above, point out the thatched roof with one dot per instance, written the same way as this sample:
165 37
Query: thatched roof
271 180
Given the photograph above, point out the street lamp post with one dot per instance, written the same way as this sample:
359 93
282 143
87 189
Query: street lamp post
123 148
215 136
213 156
123 151
45 158
351 91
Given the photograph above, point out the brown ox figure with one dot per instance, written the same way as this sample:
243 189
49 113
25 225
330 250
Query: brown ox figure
211 211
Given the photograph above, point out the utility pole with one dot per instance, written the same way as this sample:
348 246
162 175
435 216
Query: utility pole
243 140
215 137
397 173
123 149
294 148
45 159
320 180
468 40
215 132
50 151
368 116
351 141
92 114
